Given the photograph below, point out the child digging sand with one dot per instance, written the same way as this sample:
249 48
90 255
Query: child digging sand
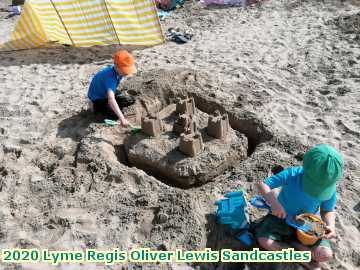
103 94
307 189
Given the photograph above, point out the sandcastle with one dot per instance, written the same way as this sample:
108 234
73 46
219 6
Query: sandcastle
191 142
151 125
187 147
218 125
184 122
185 106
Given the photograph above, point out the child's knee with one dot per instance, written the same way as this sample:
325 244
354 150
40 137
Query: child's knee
321 254
266 243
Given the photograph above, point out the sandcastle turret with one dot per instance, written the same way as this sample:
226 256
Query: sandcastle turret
191 144
151 125
218 125
184 122
185 106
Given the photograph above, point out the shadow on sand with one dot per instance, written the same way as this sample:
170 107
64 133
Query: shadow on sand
75 127
61 55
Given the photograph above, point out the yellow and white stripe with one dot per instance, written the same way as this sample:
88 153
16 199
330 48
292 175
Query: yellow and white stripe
86 23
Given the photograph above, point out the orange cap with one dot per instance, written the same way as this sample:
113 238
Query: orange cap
124 62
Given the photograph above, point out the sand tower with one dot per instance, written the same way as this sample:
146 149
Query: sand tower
184 122
151 125
185 106
191 142
218 125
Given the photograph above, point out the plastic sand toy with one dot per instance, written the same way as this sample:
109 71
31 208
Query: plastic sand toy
310 227
231 211
134 129
259 202
316 229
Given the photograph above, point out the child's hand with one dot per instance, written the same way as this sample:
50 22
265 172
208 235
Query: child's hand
124 122
277 210
330 232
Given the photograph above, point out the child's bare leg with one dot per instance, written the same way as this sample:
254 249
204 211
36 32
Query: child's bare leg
272 245
313 265
319 253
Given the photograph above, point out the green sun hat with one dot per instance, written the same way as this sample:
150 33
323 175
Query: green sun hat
323 167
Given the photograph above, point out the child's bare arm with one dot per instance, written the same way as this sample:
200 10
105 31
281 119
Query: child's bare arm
115 107
329 218
276 207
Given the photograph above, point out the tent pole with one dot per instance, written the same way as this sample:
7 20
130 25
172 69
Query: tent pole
112 23
158 21
67 32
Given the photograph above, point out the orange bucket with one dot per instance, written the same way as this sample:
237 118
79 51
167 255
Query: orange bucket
305 238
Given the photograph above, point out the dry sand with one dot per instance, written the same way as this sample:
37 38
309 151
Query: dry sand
288 72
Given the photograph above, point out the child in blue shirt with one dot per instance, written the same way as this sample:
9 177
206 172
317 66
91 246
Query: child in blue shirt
103 88
307 189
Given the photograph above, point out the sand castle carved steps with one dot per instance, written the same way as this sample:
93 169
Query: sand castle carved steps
218 125
151 125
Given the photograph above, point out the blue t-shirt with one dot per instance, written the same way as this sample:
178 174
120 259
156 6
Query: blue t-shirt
292 197
104 80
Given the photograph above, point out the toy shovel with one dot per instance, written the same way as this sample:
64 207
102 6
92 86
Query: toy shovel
134 129
260 202
110 122
291 221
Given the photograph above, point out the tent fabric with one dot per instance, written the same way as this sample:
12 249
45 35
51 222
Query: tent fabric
85 23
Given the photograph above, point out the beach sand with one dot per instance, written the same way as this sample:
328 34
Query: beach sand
289 72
